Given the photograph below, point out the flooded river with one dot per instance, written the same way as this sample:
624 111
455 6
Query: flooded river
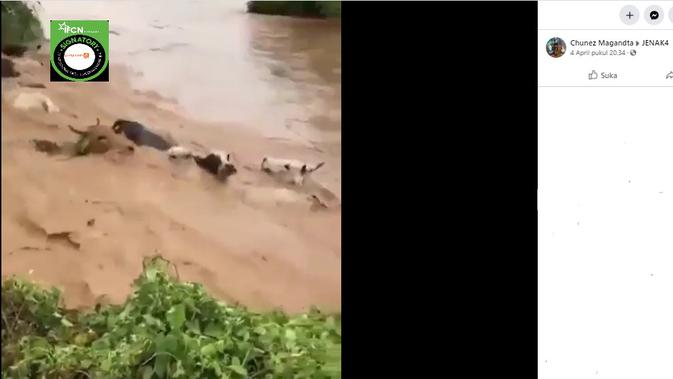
279 75
252 240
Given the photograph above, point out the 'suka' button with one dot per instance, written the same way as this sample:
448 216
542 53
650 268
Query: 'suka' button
608 75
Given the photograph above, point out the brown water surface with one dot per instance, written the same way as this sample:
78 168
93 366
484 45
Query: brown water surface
252 85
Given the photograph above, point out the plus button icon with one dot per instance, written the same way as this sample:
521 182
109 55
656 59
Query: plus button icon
629 15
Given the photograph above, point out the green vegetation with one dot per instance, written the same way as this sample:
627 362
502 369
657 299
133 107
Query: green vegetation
20 26
297 8
166 329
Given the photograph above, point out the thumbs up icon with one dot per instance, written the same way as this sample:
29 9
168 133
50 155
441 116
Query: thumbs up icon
593 75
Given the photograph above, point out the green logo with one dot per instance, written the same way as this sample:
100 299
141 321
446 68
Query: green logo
80 50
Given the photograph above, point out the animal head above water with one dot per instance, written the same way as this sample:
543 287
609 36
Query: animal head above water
288 170
305 170
227 170
120 125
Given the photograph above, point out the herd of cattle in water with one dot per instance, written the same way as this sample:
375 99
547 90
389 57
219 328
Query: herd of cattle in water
98 138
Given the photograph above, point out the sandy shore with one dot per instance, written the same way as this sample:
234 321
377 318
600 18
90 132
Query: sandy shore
85 224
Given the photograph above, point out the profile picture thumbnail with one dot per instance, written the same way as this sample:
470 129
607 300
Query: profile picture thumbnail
556 47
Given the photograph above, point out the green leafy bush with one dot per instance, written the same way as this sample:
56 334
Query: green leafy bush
330 8
296 8
20 26
166 329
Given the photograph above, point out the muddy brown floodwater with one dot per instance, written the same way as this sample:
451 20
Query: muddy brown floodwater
278 75
209 74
